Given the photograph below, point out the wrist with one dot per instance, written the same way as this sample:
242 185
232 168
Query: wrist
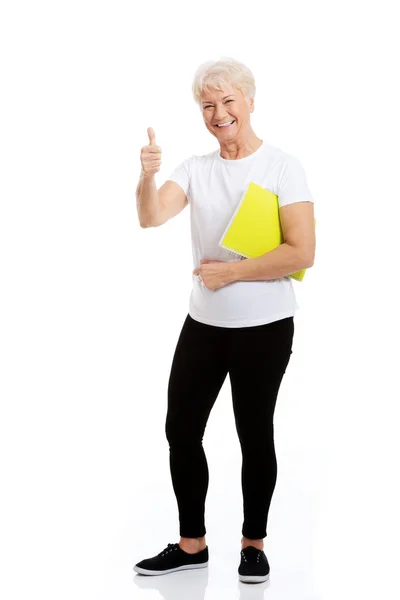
144 175
233 271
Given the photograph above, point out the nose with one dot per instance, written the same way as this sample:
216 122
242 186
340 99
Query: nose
219 115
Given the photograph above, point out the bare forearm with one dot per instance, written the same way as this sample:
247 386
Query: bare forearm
279 262
147 201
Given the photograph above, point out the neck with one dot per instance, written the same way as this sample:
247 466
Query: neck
232 150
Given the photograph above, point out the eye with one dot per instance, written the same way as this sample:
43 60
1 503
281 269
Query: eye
208 105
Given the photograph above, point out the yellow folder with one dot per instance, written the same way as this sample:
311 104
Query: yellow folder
255 226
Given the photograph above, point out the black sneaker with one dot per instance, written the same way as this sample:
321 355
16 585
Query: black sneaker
254 567
171 559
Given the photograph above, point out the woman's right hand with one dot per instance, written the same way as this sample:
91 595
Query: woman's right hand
150 155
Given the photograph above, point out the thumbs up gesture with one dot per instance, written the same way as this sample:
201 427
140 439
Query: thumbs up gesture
150 155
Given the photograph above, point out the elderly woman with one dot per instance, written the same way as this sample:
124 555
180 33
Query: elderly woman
240 318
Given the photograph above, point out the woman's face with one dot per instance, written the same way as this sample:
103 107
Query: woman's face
223 107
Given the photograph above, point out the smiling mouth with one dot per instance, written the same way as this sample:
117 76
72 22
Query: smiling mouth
225 125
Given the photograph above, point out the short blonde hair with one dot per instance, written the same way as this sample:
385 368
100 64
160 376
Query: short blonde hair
213 74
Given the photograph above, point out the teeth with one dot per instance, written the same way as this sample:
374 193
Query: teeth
225 124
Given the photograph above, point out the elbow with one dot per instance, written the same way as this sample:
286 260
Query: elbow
306 257
148 220
307 261
145 224
154 221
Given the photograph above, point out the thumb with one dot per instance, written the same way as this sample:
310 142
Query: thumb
152 136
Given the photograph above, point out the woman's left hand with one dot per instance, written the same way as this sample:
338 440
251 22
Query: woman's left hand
215 273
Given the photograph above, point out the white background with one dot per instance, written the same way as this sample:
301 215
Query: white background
92 305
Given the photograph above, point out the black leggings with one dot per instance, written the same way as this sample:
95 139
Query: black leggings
256 359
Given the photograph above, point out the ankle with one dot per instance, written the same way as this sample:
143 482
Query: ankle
192 544
259 543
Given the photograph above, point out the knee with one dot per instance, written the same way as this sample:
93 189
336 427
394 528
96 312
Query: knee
257 440
181 434
174 432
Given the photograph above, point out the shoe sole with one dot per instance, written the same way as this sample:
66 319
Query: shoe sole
183 567
253 578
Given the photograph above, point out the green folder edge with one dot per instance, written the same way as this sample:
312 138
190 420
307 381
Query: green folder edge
298 275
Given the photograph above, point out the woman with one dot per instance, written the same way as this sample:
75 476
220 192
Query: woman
240 318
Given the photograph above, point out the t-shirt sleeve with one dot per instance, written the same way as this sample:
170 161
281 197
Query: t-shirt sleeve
181 175
292 183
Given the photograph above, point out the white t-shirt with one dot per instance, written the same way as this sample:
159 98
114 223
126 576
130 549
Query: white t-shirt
214 186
